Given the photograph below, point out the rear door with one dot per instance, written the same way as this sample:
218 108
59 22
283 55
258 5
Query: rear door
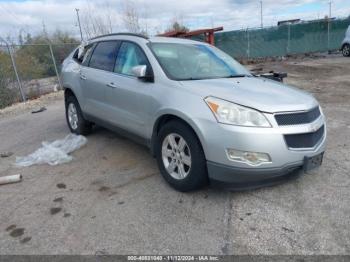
129 99
95 75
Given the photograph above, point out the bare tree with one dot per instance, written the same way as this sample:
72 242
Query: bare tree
131 18
95 24
109 17
177 24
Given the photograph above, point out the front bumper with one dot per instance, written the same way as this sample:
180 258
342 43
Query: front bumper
286 162
248 178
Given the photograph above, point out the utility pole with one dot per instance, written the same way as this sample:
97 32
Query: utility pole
44 29
81 33
261 14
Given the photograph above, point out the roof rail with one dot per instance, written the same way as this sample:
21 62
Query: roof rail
115 34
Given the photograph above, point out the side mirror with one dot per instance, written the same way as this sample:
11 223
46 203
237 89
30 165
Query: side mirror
140 72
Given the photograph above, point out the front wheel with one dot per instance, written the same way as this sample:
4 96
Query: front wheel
180 157
346 50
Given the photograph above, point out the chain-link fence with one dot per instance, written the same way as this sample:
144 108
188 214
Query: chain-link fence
316 36
9 89
30 70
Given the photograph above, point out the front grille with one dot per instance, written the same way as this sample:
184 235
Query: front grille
307 140
298 118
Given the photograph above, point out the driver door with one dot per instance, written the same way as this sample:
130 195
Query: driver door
128 98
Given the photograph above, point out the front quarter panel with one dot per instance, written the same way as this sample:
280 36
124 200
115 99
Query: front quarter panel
188 106
347 37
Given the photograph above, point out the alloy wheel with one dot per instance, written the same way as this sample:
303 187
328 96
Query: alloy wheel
176 156
73 116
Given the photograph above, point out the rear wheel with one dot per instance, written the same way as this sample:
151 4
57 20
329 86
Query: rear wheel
346 50
75 120
180 157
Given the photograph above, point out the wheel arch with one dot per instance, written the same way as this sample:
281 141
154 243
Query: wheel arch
165 118
344 44
68 92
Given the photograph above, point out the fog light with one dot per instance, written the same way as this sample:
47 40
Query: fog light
251 158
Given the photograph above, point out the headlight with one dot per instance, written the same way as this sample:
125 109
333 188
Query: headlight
233 114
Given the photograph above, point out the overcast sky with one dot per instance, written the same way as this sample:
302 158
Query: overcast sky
29 15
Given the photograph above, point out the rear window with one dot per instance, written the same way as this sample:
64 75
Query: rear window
85 53
104 56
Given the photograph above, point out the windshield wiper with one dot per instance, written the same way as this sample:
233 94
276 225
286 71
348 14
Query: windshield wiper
192 78
216 77
238 75
196 78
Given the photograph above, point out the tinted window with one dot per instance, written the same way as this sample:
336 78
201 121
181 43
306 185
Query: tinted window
104 55
83 57
75 56
87 54
129 55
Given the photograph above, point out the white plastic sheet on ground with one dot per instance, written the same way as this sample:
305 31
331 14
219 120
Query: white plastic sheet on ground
54 153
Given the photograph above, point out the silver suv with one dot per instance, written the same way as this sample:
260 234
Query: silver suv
345 46
202 114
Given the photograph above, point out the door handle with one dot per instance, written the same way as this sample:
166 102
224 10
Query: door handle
82 77
112 85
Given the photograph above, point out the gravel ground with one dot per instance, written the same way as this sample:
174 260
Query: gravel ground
30 105
111 198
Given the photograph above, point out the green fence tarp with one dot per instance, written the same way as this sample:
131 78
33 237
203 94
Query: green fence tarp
282 40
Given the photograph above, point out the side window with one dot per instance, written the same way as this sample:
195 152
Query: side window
104 55
129 55
87 54
75 56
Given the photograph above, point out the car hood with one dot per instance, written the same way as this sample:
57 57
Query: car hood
255 92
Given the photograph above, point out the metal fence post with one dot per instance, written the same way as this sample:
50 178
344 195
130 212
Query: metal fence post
16 73
248 47
54 64
328 36
288 41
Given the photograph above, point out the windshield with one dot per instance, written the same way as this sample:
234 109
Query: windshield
196 61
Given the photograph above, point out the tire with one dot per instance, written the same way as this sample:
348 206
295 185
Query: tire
184 177
346 50
81 126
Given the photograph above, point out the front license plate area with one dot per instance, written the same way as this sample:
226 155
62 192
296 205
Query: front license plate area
313 162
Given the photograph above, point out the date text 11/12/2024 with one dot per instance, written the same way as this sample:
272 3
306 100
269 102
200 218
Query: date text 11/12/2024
173 258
